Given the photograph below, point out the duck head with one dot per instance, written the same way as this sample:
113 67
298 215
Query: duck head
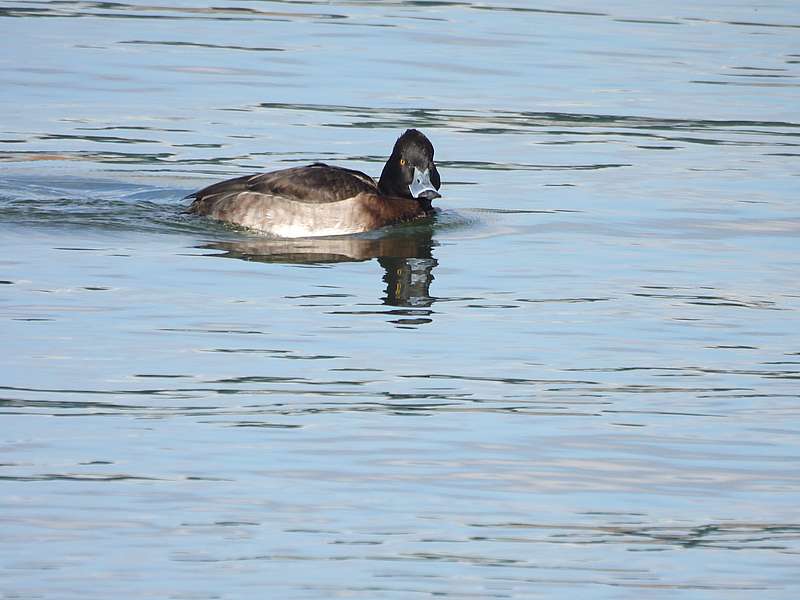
410 171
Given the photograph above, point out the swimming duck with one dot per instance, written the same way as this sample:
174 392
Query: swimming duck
322 200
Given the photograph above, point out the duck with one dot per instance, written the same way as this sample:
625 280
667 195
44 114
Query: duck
327 200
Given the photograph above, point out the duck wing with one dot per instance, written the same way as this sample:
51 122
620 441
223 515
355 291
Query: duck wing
314 184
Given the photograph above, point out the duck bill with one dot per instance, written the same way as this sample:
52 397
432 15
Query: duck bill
421 187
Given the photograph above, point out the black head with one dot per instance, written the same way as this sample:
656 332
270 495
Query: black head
410 171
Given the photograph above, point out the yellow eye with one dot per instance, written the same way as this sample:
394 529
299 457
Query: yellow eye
402 162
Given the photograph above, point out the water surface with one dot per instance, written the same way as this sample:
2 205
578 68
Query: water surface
578 379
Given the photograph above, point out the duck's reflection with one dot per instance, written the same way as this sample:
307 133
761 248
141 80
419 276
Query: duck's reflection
408 280
406 255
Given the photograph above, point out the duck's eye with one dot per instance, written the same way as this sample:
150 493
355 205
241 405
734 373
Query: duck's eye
402 162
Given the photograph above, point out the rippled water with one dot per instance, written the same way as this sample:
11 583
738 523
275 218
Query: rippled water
579 379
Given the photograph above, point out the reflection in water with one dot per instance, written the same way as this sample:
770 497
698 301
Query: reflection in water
408 280
405 253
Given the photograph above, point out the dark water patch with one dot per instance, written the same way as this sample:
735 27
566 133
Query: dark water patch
502 380
328 404
723 535
410 323
200 45
248 350
559 300
134 128
77 477
767 75
694 371
757 24
521 120
311 356
259 424
666 413
214 331
198 145
711 300
421 404
110 392
248 379
72 249
32 319
752 396
290 400
576 128
748 84
500 306
124 158
106 139
71 405
118 10
649 21
654 389
282 354
484 166
411 312
733 347
522 9
306 296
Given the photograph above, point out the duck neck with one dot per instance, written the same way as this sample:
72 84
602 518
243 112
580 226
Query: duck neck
387 184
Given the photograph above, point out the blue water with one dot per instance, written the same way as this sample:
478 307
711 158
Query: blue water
578 380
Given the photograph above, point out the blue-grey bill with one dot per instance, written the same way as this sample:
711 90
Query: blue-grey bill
421 186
